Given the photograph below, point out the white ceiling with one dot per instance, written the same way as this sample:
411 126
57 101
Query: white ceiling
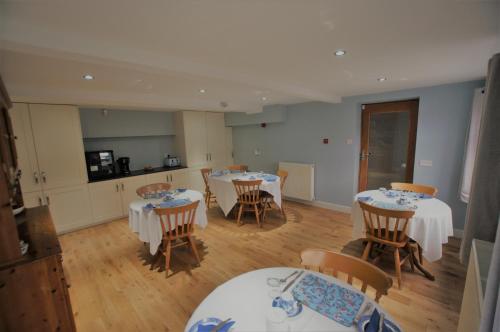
159 54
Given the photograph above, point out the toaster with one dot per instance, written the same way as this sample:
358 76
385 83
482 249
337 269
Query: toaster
172 161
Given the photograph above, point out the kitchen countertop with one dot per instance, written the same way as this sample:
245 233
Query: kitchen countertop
139 172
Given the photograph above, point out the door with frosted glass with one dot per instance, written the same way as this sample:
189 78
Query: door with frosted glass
388 136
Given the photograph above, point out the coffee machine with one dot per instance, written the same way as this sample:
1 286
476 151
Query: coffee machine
123 165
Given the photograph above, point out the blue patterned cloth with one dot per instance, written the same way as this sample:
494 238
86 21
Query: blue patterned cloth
167 204
418 195
365 199
391 206
268 177
329 299
217 173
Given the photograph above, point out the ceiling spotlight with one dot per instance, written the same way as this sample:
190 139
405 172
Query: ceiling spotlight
202 91
264 98
340 52
382 79
88 77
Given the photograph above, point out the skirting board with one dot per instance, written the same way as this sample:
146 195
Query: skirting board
324 205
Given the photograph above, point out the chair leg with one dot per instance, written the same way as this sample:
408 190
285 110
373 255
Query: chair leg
207 197
397 263
193 248
239 215
257 214
366 252
411 258
283 210
420 258
167 257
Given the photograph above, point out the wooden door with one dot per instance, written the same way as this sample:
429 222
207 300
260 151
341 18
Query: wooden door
195 137
25 146
388 138
69 207
216 140
105 200
128 188
59 145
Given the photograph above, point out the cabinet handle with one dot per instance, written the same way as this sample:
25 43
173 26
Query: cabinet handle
117 187
171 178
39 200
48 200
44 177
210 156
123 186
35 175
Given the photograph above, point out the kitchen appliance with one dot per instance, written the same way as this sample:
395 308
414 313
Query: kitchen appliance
171 161
123 165
100 164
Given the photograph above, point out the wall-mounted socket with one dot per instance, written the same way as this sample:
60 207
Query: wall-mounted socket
257 152
348 141
426 163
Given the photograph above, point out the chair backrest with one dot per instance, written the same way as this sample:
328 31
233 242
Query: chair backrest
283 176
152 189
242 168
384 225
417 188
177 222
369 275
205 172
248 191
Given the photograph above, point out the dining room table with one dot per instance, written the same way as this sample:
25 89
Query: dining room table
144 221
221 185
430 226
249 302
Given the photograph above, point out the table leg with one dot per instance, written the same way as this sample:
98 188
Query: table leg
419 266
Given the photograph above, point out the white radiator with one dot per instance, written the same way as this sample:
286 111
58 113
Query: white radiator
300 181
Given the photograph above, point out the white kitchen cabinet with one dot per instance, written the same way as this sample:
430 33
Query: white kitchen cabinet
229 146
158 177
33 199
69 207
25 147
195 179
59 145
201 139
128 187
106 200
180 178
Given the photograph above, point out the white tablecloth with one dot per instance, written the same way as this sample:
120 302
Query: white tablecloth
430 226
245 300
223 189
147 223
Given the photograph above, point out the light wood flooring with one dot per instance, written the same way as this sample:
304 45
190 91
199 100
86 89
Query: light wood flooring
113 289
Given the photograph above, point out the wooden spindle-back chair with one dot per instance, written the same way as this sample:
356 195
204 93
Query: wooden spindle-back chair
268 199
241 168
249 198
329 261
413 187
388 227
209 196
177 223
152 189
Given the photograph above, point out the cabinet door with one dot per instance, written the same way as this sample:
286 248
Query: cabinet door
128 187
195 179
160 177
69 207
25 147
59 145
195 137
105 199
33 199
216 140
179 179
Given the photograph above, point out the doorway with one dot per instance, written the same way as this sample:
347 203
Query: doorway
388 138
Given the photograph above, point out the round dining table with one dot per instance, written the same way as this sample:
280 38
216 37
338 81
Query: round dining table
221 185
246 300
146 222
430 226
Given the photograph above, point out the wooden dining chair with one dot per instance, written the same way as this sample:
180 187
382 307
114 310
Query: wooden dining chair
249 199
177 223
268 199
388 228
413 187
152 189
209 197
241 168
333 262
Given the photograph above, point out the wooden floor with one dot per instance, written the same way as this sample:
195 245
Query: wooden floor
113 289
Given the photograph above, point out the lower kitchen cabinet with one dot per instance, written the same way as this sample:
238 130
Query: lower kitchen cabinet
106 200
69 207
195 179
128 187
178 178
33 199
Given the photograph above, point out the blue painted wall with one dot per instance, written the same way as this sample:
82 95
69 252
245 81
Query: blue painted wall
444 114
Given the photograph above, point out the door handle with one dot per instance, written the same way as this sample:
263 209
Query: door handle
123 187
171 180
117 187
48 200
39 201
44 177
210 156
35 175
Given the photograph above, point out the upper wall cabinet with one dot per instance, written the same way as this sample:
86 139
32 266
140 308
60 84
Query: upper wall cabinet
201 138
50 143
119 123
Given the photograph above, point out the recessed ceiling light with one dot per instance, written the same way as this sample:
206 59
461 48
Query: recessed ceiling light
88 77
382 79
202 91
264 98
340 52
